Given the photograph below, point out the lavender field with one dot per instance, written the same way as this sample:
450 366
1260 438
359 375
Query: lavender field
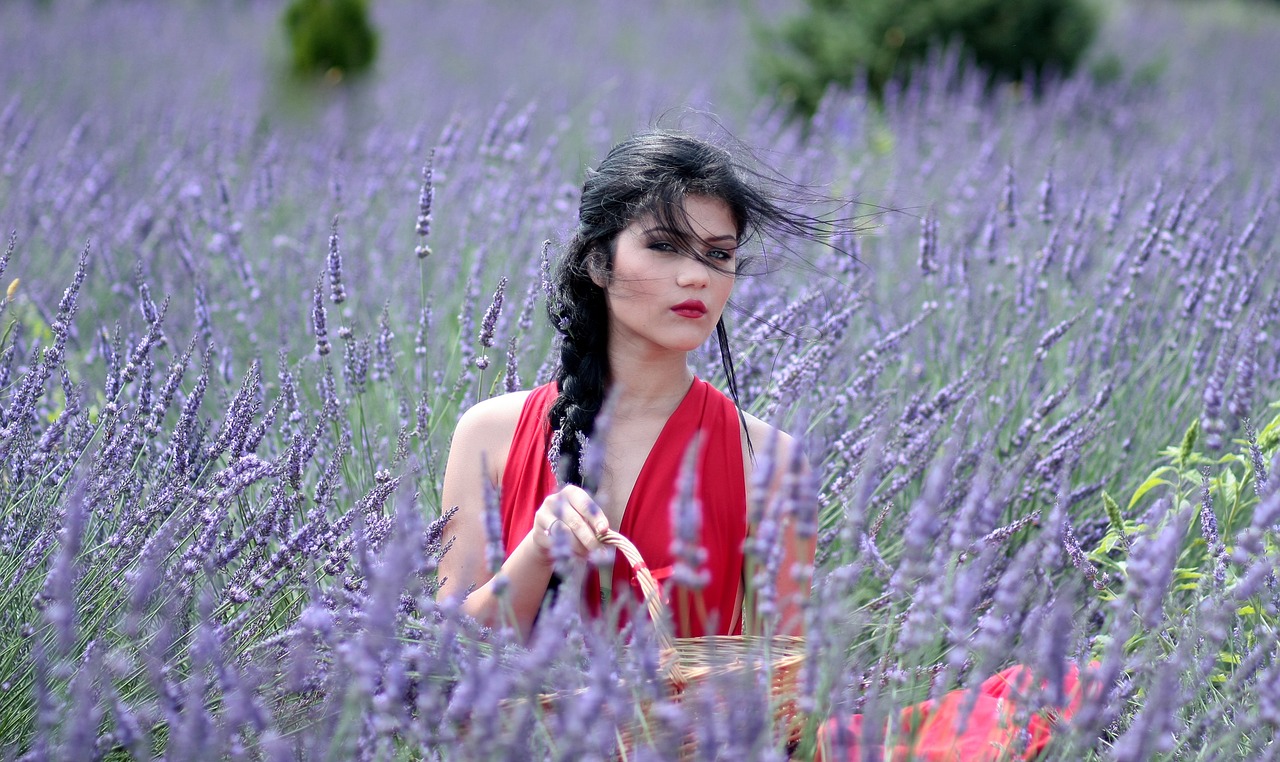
1039 383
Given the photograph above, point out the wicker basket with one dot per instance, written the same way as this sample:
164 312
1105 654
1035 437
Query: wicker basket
687 662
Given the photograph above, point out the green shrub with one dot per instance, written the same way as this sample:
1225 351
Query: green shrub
834 41
1219 512
330 35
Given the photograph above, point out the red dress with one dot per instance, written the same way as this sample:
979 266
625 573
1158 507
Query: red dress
646 521
992 731
991 728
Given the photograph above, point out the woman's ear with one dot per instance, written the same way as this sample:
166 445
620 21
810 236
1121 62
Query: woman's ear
597 268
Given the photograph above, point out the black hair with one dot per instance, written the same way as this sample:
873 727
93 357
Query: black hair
650 173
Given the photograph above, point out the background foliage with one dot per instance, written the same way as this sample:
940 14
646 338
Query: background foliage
835 42
328 35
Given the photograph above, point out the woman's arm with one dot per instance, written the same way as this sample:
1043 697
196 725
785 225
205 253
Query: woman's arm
477 454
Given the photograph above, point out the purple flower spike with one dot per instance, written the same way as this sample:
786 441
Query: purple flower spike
336 290
425 197
493 551
318 319
1009 200
686 525
489 324
929 244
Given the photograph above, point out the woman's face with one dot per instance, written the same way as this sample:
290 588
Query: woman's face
661 296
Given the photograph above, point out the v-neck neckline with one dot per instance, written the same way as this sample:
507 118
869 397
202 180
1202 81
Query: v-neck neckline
664 433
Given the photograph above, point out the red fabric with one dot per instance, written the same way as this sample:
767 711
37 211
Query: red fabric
988 735
646 521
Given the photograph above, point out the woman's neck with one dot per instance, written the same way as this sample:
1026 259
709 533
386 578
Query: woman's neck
648 385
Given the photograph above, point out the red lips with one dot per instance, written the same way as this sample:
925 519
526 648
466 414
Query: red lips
691 308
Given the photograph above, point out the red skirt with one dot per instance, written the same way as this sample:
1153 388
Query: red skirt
928 730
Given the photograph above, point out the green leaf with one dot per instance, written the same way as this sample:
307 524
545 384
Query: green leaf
1269 437
1228 485
1106 544
1151 483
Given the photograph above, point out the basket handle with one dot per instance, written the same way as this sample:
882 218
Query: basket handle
652 600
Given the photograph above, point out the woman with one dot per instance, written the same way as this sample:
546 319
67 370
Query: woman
644 281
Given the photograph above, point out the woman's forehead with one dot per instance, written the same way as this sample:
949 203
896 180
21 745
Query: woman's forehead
702 217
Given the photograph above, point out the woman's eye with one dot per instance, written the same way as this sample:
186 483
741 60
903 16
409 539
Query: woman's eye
661 246
720 254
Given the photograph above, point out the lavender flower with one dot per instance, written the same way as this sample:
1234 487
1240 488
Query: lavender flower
1054 334
70 297
6 370
183 441
152 338
8 254
384 360
1116 210
356 356
425 197
490 323
544 274
1261 479
494 554
288 388
318 319
259 432
1154 728
686 523
1209 528
1246 369
1078 558
172 380
511 377
424 328
1046 207
1150 572
466 313
244 406
204 322
1009 200
59 588
336 290
929 244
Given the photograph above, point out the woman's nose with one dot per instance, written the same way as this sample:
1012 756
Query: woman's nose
693 272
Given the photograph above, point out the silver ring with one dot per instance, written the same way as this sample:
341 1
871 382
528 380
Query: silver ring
553 523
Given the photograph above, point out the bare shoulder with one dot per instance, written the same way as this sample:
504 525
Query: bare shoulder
494 414
487 428
766 438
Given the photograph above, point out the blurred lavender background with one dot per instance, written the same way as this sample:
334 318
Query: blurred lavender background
131 61
1038 398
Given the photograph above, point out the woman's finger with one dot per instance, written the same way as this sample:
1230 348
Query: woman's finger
558 532
585 507
557 523
569 517
572 511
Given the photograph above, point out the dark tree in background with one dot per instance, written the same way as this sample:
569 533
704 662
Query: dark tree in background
330 35
836 41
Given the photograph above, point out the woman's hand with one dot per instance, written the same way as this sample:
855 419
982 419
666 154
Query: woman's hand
568 520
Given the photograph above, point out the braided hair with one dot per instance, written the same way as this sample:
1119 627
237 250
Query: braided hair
650 173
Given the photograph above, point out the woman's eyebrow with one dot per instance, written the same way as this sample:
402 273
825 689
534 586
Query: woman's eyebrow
685 234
